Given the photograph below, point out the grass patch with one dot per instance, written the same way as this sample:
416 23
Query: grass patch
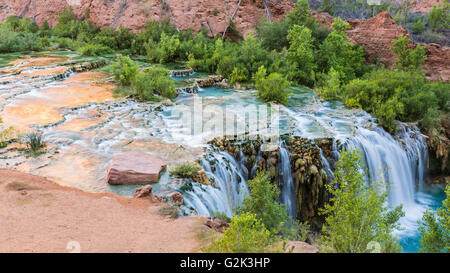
169 211
185 170
21 186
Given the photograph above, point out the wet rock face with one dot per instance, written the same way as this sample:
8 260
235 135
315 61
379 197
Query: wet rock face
309 178
133 168
209 81
439 154
218 225
308 174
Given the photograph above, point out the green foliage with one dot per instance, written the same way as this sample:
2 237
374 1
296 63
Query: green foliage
273 35
390 95
185 170
124 70
301 54
262 202
165 51
238 75
272 88
330 88
154 81
338 53
246 234
439 17
95 50
356 215
35 144
19 34
419 25
408 58
435 228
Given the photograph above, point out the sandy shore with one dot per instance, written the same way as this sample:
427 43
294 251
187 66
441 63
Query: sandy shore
37 215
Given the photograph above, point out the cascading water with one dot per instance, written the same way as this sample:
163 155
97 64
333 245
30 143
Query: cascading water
288 189
229 186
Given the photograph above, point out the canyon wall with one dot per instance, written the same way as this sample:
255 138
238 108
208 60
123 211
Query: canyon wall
188 14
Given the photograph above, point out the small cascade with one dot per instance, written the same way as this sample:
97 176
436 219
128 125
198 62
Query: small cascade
326 166
229 188
288 189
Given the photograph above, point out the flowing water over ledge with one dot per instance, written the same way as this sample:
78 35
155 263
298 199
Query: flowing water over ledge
85 125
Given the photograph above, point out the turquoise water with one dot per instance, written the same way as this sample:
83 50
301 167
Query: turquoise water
430 197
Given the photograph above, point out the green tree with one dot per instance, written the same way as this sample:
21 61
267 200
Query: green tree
357 216
263 202
246 234
439 17
408 59
272 34
124 70
272 88
435 228
301 53
154 81
337 52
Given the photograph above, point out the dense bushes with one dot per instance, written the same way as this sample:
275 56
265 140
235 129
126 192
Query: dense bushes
19 34
155 81
272 87
143 84
435 228
124 70
390 95
246 234
263 203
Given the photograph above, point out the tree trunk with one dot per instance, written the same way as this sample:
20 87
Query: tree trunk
231 20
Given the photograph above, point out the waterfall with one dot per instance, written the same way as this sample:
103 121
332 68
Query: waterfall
399 162
228 189
288 189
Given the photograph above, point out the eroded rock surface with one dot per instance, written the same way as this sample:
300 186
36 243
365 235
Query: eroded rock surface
194 14
134 167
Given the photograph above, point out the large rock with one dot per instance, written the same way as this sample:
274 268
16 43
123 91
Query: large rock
134 168
301 247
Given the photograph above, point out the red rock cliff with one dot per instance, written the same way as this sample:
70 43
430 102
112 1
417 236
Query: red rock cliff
188 14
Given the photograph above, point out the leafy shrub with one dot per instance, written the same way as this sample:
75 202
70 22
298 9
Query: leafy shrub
238 75
185 170
390 95
435 228
272 34
272 87
164 51
124 70
301 54
439 17
419 25
11 41
246 234
262 202
330 87
95 50
336 51
35 144
357 214
408 58
154 81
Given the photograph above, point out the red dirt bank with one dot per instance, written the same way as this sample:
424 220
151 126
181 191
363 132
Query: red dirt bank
37 215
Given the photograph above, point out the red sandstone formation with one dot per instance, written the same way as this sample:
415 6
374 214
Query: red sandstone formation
190 14
376 35
134 167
